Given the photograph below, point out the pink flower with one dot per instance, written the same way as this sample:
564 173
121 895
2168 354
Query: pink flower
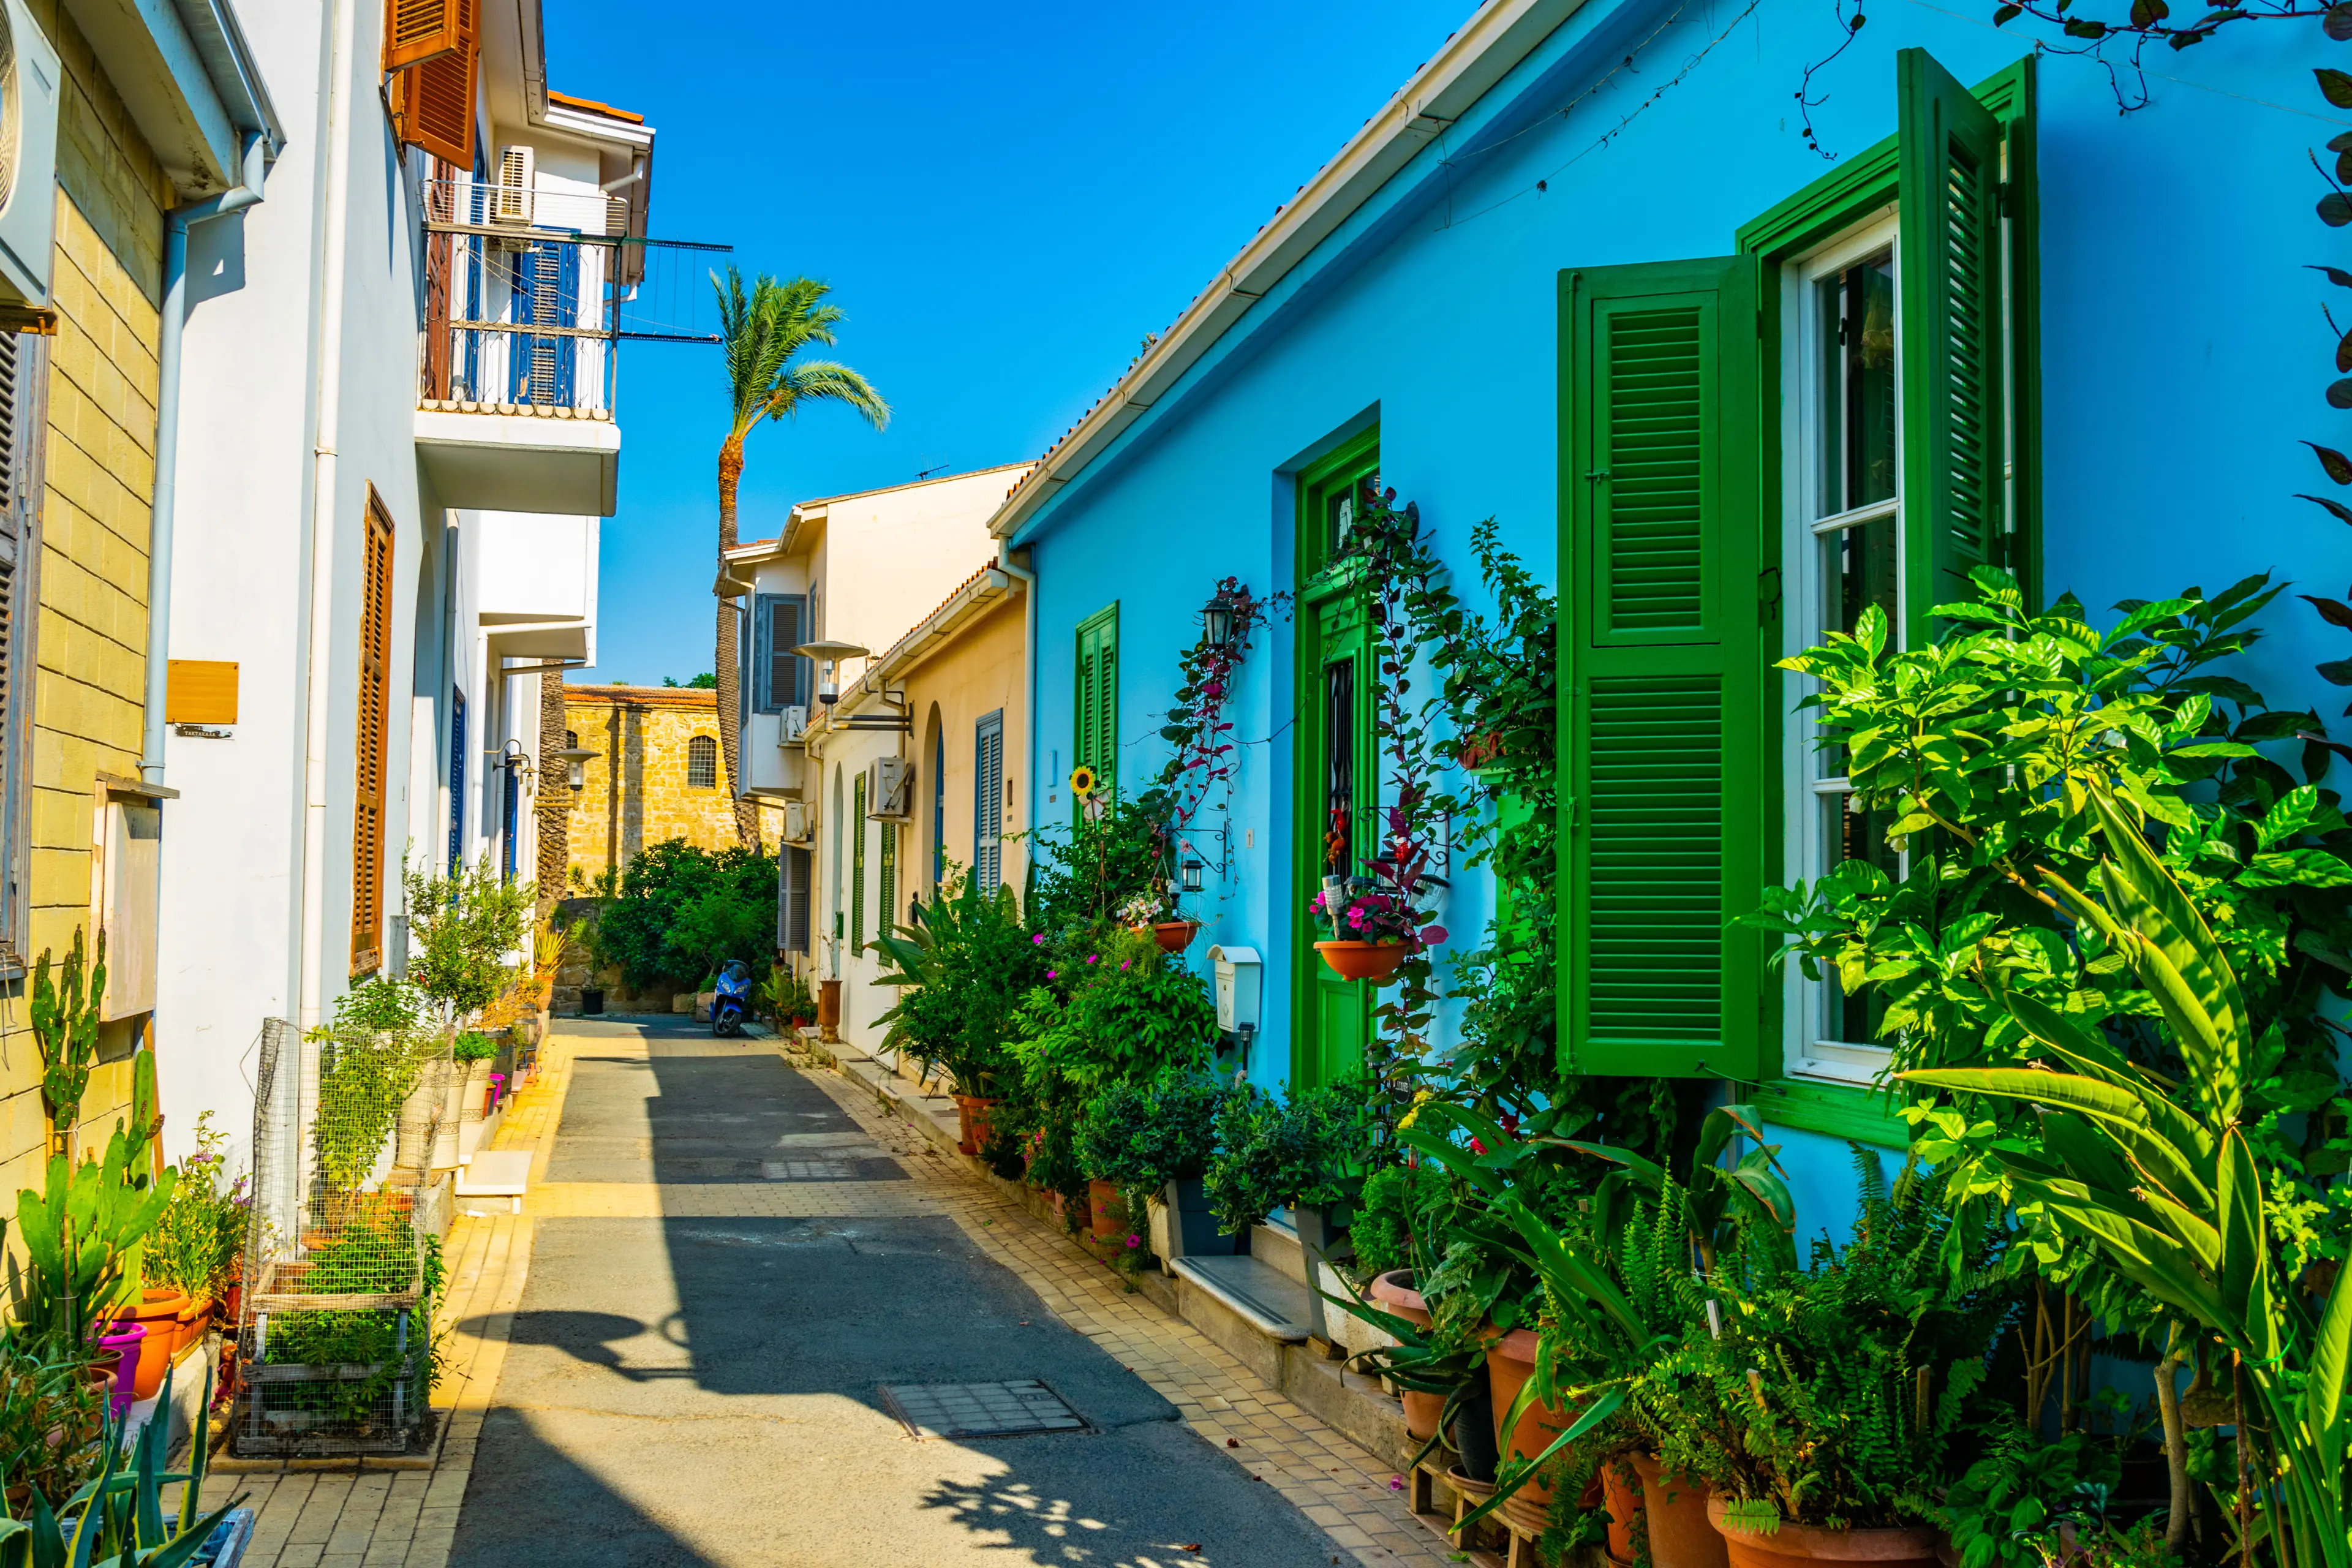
1037 941
1134 1241
1125 962
1053 974
1478 1147
1396 1483
1093 957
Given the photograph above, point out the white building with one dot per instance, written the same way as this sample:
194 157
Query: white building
857 572
395 441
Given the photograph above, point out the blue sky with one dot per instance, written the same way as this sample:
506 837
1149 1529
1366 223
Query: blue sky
1005 199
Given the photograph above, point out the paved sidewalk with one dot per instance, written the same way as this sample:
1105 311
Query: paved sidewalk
618 1418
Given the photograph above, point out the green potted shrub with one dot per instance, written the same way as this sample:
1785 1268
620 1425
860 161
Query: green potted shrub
1158 1138
965 963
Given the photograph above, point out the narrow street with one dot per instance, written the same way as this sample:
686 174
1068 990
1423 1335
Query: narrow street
727 1271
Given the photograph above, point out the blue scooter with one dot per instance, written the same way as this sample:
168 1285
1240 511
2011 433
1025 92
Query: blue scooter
732 999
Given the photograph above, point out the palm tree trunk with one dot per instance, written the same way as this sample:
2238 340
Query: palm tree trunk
555 796
725 655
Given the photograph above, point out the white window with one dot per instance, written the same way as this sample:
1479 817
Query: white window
1842 553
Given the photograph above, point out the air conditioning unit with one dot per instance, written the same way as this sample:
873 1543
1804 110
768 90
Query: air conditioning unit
792 725
30 80
510 199
798 829
890 789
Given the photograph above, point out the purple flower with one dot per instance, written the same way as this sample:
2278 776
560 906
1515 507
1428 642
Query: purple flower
1093 957
1125 962
1037 941
1053 974
1134 1240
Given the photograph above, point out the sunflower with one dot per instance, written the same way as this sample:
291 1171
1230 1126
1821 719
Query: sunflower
1082 781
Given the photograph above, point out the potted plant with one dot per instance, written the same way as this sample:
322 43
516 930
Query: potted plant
1153 912
1376 923
1305 1153
1157 1137
962 964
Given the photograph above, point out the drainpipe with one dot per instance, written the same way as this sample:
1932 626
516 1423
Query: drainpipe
177 223
1027 577
319 610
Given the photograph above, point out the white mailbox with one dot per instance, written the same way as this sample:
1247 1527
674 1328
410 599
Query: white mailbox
1238 974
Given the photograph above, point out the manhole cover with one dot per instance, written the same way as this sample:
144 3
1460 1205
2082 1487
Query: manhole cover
980 1409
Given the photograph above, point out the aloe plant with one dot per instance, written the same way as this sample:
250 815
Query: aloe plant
117 1521
82 1235
2161 1177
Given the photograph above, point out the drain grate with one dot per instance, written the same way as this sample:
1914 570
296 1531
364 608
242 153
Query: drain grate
980 1409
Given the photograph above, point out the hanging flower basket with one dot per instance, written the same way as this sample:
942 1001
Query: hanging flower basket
1175 936
1362 959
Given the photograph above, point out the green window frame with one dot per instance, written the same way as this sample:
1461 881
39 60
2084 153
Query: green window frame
1969 488
1672 549
858 831
1093 700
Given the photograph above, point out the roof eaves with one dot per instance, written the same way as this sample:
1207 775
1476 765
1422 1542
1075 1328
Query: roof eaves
1496 39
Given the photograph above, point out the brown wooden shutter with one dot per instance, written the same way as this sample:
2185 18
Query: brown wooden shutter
374 717
432 102
415 31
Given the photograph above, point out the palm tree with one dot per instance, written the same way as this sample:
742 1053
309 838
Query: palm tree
764 330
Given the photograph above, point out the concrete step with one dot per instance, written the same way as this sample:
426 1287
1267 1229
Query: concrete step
1268 1300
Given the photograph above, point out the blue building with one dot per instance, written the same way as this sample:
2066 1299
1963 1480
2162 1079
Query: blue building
1588 274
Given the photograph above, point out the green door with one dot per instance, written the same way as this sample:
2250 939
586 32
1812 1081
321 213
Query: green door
1336 777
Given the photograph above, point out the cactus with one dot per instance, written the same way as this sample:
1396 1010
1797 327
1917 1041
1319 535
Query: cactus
65 1028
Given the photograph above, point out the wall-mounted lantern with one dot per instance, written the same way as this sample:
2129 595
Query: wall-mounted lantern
575 760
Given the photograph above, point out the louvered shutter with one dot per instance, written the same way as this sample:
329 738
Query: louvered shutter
415 31
793 913
13 405
1082 706
432 102
1949 268
988 802
1663 671
885 908
858 830
1096 697
777 631
374 716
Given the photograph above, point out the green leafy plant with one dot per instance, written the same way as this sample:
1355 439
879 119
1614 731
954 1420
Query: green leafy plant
381 1004
966 962
682 910
1307 1149
64 1017
2008 1509
1145 1136
199 1239
473 1046
1395 1209
784 999
461 930
2166 1178
117 1519
363 1079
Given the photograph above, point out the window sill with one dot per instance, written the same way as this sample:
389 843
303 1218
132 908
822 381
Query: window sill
1846 1111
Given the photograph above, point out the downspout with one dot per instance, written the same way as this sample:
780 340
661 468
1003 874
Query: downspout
174 329
1027 577
319 610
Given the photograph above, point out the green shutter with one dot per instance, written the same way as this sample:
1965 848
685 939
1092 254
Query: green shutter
858 865
1951 344
1663 670
888 908
1095 702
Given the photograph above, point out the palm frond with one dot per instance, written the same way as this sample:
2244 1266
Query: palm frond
824 381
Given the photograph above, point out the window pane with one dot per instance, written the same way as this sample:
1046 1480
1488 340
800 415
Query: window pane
1851 833
1858 316
1857 571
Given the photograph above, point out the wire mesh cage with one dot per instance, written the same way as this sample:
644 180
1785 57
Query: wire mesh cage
343 1259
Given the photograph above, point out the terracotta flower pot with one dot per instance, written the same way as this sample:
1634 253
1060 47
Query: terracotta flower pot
1175 936
1510 1362
978 1115
1393 1293
1362 960
1801 1545
158 1312
195 1319
1682 1534
1623 1494
1102 1211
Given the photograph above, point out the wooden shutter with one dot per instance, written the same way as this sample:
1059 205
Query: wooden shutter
14 402
432 102
415 31
374 717
1096 704
858 831
793 915
988 802
777 669
1663 671
1951 343
886 905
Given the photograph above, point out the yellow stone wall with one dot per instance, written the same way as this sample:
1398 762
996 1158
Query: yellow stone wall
645 800
89 634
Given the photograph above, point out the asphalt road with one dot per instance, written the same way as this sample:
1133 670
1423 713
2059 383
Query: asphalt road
689 1392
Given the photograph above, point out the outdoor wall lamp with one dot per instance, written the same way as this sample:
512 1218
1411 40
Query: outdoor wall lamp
1192 868
575 760
828 656
1217 619
512 755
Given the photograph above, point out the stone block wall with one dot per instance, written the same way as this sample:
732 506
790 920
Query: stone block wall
636 792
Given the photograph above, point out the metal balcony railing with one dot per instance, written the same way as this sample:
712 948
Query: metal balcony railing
528 293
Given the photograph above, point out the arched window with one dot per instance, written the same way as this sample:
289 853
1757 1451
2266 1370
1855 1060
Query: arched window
702 762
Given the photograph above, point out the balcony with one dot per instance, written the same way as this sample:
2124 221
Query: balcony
523 291
538 593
